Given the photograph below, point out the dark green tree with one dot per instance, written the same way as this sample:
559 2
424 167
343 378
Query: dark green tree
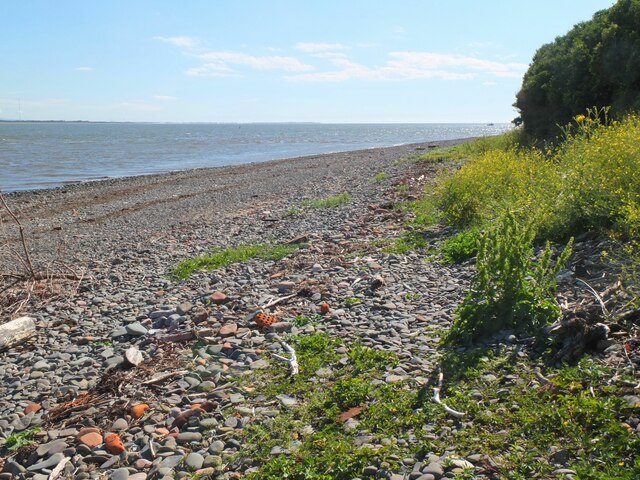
596 64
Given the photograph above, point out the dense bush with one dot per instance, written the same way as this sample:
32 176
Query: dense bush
591 182
596 63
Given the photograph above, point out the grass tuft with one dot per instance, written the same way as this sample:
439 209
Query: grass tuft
329 202
222 258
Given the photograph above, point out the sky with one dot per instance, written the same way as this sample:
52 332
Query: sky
332 61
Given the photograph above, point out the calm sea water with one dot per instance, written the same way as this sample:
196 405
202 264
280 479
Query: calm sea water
40 155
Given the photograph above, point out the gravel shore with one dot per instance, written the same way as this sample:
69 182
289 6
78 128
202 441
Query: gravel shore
72 387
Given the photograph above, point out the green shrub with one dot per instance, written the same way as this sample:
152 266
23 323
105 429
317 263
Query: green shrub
591 182
461 247
510 289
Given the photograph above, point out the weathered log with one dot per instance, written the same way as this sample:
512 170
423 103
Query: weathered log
16 331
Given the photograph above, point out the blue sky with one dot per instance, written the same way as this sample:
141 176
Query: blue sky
273 60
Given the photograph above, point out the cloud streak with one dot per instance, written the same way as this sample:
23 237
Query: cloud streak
223 63
415 66
183 42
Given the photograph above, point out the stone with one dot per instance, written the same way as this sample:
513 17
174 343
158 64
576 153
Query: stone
138 410
120 424
194 460
434 469
228 329
184 308
32 407
90 439
218 298
120 474
16 331
136 329
133 356
188 437
217 446
114 445
50 462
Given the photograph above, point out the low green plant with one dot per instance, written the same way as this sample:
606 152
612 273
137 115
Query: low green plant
222 258
379 177
511 288
293 212
16 441
461 246
351 301
329 202
303 320
401 188
411 296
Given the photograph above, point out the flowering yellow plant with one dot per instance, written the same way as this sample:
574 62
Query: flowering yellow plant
580 118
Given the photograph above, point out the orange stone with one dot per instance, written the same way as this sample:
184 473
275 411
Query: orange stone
162 431
114 444
90 439
137 411
325 308
32 407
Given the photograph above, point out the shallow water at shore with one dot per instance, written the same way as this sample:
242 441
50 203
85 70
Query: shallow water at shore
42 155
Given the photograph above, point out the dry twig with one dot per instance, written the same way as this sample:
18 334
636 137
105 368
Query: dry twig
27 260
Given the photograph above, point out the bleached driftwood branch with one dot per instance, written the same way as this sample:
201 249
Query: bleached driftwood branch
293 361
605 312
436 398
278 300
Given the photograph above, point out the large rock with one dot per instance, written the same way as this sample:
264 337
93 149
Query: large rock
16 331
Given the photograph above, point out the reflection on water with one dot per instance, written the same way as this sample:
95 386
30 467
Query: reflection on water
38 155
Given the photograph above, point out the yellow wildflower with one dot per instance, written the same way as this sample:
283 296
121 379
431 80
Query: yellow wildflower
580 118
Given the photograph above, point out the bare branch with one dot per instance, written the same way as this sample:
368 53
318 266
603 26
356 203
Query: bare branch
23 240
436 398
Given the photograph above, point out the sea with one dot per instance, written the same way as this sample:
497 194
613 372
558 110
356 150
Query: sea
36 155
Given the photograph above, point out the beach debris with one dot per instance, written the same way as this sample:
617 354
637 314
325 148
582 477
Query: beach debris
436 398
16 331
138 410
276 301
113 444
293 361
263 320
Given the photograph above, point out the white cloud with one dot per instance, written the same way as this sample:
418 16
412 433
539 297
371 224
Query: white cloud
84 69
415 65
164 98
185 42
319 47
222 63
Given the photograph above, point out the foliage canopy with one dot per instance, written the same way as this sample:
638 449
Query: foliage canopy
596 64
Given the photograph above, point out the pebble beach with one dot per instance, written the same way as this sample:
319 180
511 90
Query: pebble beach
134 374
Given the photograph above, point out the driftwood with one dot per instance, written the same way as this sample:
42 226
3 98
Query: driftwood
278 300
16 331
27 258
436 398
55 473
164 376
597 296
293 361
